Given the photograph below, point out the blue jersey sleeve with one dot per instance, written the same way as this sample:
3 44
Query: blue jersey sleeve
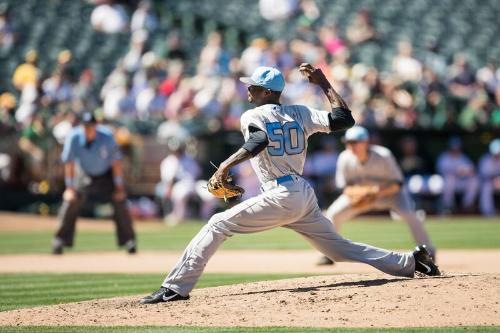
116 153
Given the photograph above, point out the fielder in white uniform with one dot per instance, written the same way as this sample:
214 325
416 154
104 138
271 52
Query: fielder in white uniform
179 181
372 165
459 176
276 142
489 172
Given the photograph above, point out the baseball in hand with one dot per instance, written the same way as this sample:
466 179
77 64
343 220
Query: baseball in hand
314 75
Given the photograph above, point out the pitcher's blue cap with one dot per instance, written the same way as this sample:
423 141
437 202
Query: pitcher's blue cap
357 133
495 147
266 77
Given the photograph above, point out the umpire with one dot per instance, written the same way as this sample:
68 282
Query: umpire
92 168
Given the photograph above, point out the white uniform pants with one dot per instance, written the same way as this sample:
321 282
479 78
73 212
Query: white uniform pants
469 186
341 210
293 205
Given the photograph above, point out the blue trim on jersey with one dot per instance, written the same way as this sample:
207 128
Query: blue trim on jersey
283 179
275 135
280 138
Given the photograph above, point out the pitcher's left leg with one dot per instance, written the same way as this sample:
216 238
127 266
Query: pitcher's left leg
402 205
318 230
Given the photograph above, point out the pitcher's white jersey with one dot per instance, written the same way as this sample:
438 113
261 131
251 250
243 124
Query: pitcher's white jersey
288 127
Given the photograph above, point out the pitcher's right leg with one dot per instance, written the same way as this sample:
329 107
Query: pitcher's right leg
253 215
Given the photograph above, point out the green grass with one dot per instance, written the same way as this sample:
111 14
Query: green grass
246 330
474 233
29 290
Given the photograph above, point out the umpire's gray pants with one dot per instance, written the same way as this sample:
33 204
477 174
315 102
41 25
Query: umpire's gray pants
100 188
400 203
292 205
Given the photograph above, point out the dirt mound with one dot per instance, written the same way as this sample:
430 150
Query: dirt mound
324 301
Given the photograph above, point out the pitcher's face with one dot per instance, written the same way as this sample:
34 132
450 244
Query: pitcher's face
256 94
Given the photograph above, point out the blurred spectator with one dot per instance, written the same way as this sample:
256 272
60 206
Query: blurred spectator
459 176
118 103
255 55
233 99
32 101
132 60
274 10
180 105
83 95
57 88
172 48
109 17
474 113
35 142
27 74
488 78
7 32
150 103
411 162
174 75
214 59
172 131
330 39
433 60
143 18
179 175
7 106
361 29
310 13
462 81
435 106
489 173
404 65
280 56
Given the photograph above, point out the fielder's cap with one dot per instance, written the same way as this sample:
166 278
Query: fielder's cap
356 133
495 147
88 118
266 77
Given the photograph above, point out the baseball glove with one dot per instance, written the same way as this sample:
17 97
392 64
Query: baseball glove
361 195
223 189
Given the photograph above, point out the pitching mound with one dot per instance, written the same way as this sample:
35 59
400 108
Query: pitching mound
325 301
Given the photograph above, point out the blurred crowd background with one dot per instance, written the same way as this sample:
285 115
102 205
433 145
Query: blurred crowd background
422 76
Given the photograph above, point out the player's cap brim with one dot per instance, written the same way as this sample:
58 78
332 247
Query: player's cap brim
249 81
344 140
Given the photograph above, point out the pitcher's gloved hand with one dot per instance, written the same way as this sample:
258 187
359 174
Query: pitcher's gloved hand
221 188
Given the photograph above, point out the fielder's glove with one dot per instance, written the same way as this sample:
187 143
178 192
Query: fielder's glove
223 189
361 195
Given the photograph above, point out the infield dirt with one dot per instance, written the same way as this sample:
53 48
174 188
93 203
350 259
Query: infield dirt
360 297
323 301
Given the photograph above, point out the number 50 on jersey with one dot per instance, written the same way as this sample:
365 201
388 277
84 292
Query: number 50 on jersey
287 138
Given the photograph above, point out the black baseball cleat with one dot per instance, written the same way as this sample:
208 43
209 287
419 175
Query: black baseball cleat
57 250
131 247
163 295
424 263
325 261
